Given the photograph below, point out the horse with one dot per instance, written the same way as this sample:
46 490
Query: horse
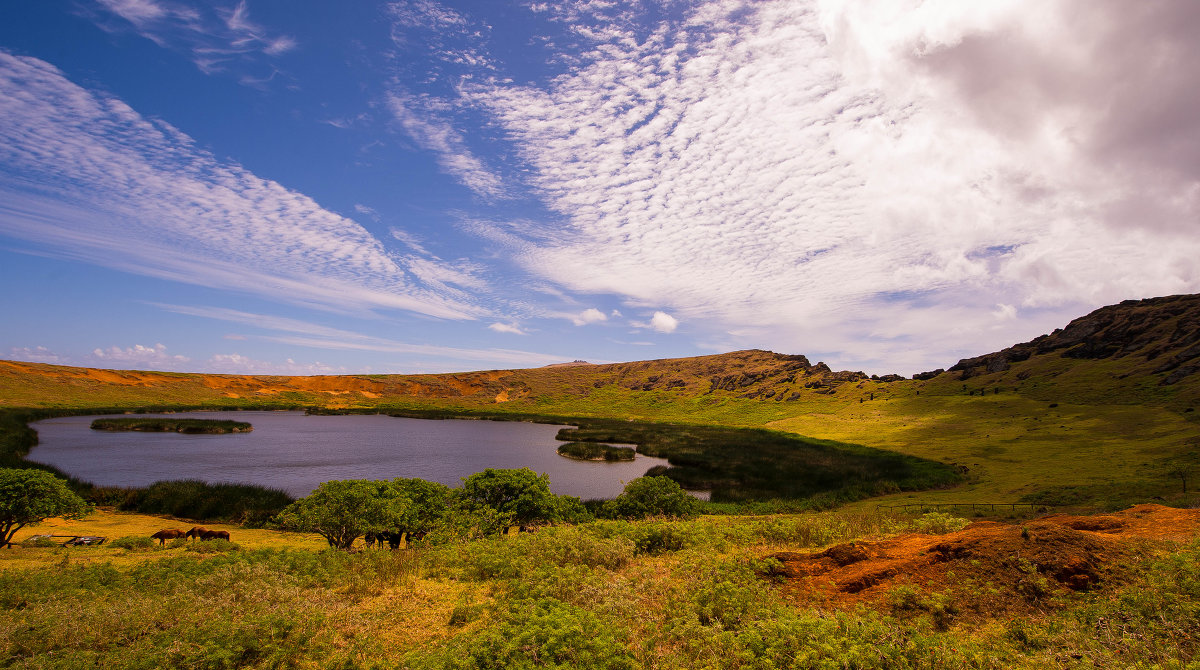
167 534
215 535
196 532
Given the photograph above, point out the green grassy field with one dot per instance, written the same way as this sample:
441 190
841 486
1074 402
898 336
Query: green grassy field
1090 431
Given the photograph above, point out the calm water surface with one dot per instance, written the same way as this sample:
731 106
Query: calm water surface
295 452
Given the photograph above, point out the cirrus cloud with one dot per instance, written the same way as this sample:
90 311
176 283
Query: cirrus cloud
855 178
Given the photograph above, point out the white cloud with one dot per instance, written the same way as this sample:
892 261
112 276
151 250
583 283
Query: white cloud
663 323
506 328
215 38
90 178
303 333
38 354
813 175
139 357
419 120
237 364
589 315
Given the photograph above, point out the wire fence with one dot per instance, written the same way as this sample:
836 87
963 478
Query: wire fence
938 507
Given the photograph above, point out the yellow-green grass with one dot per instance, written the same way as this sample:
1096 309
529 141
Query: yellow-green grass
1113 423
112 524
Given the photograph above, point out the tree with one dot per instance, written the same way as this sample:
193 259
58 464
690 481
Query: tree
342 511
29 496
652 496
518 497
427 505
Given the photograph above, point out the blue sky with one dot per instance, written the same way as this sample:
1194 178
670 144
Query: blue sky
414 186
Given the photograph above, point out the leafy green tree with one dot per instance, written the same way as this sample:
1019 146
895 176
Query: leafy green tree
428 503
518 496
29 496
342 511
652 496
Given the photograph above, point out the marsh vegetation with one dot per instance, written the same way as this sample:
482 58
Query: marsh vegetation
186 426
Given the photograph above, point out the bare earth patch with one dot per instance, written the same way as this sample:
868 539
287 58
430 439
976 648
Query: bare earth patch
988 568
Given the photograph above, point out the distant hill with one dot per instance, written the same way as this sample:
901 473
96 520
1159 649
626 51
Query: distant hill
1136 351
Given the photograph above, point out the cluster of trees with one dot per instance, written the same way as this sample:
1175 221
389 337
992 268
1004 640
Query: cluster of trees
489 502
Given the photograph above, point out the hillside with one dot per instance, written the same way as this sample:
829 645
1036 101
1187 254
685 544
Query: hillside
1102 408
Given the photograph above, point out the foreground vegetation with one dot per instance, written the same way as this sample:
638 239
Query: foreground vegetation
606 594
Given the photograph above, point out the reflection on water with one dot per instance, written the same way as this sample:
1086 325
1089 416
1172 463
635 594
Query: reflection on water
295 452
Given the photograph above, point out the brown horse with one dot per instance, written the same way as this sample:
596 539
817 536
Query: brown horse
167 534
215 535
196 532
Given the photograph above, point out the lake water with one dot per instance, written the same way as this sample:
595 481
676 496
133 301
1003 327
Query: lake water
295 452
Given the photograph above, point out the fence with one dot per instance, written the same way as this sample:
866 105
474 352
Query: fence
938 507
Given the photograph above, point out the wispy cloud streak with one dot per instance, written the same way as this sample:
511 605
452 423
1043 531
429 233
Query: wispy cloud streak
213 37
85 175
303 333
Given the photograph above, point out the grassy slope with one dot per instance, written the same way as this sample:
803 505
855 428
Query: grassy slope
1115 425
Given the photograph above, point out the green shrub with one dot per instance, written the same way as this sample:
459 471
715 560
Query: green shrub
247 504
657 537
543 633
939 523
39 542
512 556
652 496
592 451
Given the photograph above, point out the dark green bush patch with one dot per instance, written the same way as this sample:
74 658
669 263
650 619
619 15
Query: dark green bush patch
545 633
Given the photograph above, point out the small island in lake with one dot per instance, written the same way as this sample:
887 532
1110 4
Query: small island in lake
592 451
188 426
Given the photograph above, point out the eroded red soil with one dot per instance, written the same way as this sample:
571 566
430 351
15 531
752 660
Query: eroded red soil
992 567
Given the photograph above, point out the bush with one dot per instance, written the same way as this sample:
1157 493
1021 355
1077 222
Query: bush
39 543
655 538
592 451
544 633
196 499
939 523
652 496
511 557
134 543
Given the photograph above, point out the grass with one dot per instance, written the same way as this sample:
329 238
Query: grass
590 451
591 596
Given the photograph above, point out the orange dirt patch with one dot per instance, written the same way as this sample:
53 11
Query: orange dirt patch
988 567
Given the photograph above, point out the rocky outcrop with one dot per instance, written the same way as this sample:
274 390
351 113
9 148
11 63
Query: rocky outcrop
1165 328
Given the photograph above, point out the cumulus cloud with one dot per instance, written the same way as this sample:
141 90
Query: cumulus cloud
38 354
139 357
87 176
663 322
589 315
214 37
237 364
860 179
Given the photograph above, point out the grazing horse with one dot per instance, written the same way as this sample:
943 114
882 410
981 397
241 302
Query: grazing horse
196 532
215 535
167 534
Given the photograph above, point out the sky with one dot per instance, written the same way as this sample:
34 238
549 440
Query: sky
303 187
